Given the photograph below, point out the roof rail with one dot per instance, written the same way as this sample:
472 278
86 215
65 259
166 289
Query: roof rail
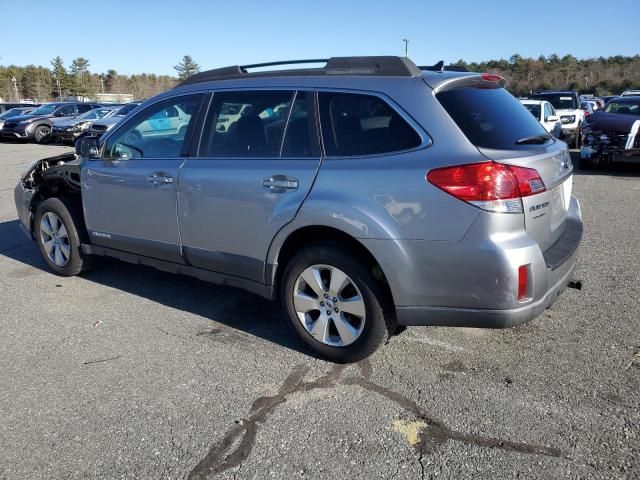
371 66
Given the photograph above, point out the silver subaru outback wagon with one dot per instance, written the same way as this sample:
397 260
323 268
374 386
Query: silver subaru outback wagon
366 195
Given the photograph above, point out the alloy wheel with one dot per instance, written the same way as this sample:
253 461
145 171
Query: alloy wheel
329 305
55 239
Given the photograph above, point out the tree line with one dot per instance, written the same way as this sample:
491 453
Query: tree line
57 81
602 76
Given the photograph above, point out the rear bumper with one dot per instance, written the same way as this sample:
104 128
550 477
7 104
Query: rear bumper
474 282
486 318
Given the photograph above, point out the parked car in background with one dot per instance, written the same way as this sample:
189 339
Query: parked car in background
70 129
567 105
606 98
588 108
611 135
4 106
544 112
13 112
37 124
630 93
381 195
99 127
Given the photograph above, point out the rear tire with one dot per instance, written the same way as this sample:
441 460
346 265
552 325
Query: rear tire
42 134
59 230
577 142
347 337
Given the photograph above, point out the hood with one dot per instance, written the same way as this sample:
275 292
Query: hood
107 121
65 121
20 118
45 163
612 122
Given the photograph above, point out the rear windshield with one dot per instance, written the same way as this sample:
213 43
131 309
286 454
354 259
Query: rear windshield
626 108
560 101
533 108
490 118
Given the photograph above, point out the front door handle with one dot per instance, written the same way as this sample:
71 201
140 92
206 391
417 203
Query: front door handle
280 183
160 179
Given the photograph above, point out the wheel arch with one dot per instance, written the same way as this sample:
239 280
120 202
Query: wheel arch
297 238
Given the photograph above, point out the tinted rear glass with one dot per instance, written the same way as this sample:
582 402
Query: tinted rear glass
356 124
490 118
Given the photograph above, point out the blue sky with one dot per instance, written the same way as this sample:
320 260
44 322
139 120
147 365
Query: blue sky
152 35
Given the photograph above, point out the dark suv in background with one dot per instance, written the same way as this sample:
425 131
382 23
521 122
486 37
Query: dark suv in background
5 106
36 125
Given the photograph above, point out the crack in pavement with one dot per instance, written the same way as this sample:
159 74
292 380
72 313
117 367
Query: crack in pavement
236 445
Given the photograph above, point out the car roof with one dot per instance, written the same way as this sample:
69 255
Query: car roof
555 92
627 99
532 102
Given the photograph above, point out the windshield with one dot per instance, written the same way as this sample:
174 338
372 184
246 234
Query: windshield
625 108
45 109
491 118
11 113
95 113
126 109
533 108
560 101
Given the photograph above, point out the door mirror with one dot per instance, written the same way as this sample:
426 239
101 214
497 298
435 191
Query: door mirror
552 118
59 113
88 147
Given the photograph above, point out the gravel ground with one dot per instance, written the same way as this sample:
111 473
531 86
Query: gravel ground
127 372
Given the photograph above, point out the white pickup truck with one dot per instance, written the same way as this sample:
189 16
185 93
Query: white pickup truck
567 105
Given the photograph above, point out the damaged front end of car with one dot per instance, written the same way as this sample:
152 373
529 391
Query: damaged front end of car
602 146
50 177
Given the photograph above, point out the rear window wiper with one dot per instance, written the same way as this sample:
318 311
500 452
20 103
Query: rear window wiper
536 139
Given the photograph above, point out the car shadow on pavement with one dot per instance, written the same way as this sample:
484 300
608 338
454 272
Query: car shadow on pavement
228 306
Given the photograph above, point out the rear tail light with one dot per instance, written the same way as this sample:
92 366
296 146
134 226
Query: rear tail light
491 186
523 276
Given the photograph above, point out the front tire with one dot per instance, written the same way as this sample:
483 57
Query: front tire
59 227
335 303
42 134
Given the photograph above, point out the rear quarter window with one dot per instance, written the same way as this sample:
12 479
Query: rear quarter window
359 124
490 118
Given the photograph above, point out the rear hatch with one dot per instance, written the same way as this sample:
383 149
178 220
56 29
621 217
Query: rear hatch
505 132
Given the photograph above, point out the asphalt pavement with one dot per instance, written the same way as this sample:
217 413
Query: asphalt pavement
128 372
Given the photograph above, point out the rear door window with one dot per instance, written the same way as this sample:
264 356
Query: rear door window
490 118
301 137
246 124
358 124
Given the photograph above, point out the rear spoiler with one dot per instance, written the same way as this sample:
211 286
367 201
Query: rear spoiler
451 80
441 67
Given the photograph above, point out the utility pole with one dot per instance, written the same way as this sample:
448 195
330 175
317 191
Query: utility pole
102 83
15 87
406 47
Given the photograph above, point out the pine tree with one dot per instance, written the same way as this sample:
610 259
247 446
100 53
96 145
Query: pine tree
59 78
187 67
79 72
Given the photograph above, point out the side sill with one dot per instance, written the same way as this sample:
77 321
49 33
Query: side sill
256 288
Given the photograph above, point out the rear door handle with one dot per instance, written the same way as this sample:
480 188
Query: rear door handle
160 179
280 183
